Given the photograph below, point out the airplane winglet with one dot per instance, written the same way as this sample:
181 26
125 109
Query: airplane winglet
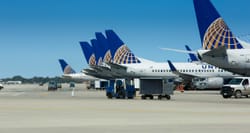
172 67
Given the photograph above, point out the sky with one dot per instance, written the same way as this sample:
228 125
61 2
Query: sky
34 34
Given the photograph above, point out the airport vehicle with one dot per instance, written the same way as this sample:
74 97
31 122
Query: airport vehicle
162 88
69 72
1 86
52 86
101 84
237 87
122 89
13 82
220 47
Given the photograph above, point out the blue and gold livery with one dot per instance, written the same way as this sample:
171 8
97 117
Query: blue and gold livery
214 32
88 53
119 52
97 50
218 34
104 51
107 56
65 67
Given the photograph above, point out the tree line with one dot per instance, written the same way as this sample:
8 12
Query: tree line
37 80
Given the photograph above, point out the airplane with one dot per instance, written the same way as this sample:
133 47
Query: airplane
69 72
125 64
220 47
204 81
199 81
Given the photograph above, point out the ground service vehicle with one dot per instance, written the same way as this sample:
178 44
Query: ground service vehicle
120 90
156 87
101 84
238 87
52 86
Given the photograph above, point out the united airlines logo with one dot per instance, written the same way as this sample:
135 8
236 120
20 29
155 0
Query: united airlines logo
218 34
124 56
207 67
100 61
107 57
92 60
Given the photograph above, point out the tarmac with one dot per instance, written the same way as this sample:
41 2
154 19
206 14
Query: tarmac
32 109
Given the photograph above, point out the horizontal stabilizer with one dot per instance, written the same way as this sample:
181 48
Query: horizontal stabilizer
178 50
218 52
192 56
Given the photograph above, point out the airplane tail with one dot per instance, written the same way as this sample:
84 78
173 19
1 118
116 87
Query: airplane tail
120 53
88 53
103 46
97 50
214 32
65 67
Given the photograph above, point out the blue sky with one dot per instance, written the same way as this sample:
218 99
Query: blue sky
34 34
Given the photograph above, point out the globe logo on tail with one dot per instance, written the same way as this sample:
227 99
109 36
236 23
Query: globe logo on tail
92 60
124 56
218 34
107 56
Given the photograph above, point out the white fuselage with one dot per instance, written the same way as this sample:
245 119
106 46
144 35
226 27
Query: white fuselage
153 69
235 60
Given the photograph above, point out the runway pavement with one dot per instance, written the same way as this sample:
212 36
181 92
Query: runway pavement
32 109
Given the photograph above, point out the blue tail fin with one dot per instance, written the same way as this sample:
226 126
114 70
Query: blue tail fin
192 56
88 53
214 32
65 67
103 46
97 50
120 53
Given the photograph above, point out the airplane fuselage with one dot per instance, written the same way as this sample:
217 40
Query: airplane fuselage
235 60
163 70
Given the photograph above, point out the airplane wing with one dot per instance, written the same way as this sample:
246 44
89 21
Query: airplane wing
97 74
217 52
117 68
110 71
